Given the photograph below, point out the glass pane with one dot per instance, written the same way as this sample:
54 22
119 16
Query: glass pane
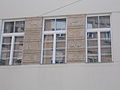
106 58
18 47
92 35
93 59
92 51
7 40
6 46
4 61
92 22
92 43
60 48
5 53
19 40
106 54
20 26
49 25
18 50
47 60
92 47
104 21
105 35
48 49
106 42
106 51
17 61
60 24
47 53
48 38
60 60
8 27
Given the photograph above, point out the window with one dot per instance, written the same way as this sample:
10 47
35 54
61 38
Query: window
54 24
98 22
12 42
54 41
98 41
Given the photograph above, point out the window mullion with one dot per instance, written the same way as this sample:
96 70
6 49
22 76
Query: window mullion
11 51
98 22
41 62
99 47
14 27
54 49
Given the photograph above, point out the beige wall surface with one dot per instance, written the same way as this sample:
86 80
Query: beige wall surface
61 77
26 8
115 19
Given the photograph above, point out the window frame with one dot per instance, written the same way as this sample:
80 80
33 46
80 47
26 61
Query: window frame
98 31
12 35
54 33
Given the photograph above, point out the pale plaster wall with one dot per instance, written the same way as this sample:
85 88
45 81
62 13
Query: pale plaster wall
61 77
115 19
26 8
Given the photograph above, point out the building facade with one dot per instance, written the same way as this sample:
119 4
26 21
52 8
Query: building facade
79 38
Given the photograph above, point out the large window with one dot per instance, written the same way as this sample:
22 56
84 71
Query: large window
54 41
98 41
12 42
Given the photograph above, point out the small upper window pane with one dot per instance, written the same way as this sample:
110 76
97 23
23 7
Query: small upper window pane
92 22
20 26
60 24
50 25
104 21
8 27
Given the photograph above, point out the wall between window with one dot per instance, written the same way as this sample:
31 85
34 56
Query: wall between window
32 41
76 38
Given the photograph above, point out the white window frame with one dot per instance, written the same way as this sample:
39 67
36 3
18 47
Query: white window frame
54 39
98 30
12 35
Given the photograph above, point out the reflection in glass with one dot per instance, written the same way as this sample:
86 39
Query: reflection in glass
5 53
18 50
19 26
50 25
60 48
92 22
48 49
106 54
104 21
60 24
8 27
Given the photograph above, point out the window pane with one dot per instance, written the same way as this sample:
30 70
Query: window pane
48 49
47 60
7 40
8 27
19 39
106 54
20 26
92 59
60 48
92 47
105 35
92 22
92 35
60 24
5 53
104 21
18 50
50 25
106 58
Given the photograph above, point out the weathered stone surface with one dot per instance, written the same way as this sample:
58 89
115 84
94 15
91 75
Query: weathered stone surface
76 38
32 41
